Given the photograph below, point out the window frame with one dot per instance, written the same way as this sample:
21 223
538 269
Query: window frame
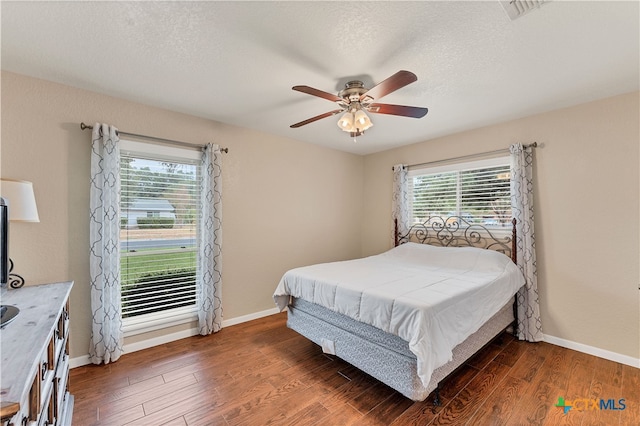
503 160
172 317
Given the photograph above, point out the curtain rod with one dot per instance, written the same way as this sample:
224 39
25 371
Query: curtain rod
466 157
153 138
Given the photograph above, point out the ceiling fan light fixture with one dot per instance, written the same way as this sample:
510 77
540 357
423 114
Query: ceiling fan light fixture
346 122
362 120
355 120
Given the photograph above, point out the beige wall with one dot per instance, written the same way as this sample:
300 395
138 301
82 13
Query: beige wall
587 214
285 204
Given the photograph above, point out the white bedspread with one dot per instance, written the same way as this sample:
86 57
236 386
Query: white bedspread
432 297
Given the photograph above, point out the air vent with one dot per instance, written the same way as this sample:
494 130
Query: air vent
517 8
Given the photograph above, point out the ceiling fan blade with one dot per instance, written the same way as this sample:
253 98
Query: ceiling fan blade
319 93
316 118
391 84
403 110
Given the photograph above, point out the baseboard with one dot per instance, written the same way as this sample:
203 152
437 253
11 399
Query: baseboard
249 317
149 343
160 340
79 361
591 350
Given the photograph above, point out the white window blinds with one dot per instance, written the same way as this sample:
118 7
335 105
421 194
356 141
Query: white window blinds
478 192
159 207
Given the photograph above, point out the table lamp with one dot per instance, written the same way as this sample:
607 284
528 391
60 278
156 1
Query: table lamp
21 207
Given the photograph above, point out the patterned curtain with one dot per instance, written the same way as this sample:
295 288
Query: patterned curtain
529 324
104 250
400 201
210 243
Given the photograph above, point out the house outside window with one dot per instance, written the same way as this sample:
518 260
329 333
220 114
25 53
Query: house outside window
159 204
477 192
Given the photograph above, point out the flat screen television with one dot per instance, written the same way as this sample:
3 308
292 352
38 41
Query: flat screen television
4 242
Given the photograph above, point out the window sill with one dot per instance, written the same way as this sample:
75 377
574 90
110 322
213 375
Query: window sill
157 321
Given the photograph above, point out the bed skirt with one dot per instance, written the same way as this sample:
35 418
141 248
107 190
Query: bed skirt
382 355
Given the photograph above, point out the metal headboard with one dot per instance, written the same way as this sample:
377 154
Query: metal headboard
455 231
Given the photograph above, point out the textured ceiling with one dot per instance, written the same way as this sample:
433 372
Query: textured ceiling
235 62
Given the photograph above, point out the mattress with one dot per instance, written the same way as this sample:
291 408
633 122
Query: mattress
382 355
431 297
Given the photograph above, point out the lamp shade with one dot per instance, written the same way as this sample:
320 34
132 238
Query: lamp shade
346 122
362 121
20 199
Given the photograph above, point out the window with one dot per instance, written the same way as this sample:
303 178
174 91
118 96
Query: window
159 204
478 192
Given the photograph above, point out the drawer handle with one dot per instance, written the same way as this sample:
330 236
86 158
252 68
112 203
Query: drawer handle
44 368
24 421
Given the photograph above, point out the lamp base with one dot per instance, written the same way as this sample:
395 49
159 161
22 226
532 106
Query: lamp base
15 280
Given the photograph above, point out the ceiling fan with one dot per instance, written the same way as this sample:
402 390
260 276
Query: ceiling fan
355 101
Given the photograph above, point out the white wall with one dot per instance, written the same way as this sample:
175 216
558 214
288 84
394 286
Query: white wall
586 213
285 203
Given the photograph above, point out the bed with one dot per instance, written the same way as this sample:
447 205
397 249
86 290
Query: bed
410 316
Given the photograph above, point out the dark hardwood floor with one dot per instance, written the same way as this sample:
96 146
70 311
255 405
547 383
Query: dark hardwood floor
260 373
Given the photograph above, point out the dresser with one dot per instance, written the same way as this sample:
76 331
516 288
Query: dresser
34 350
